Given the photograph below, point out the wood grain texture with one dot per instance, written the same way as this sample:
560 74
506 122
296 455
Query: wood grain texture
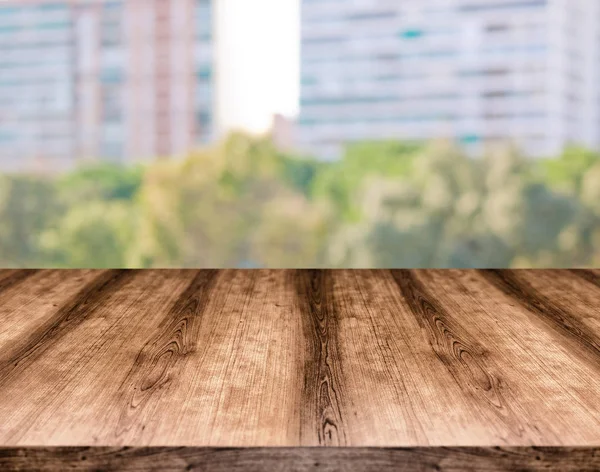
132 366
335 459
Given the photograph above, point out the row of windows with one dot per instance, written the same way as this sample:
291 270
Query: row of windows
37 135
204 121
7 29
116 76
320 40
486 95
108 76
463 8
34 108
534 49
53 56
35 45
503 5
461 72
385 78
353 100
381 57
34 40
337 18
41 83
304 121
308 81
43 8
46 61
55 7
414 118
407 34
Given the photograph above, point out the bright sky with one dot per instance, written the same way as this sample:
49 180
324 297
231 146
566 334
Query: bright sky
258 62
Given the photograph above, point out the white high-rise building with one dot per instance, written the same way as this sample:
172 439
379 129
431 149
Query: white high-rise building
103 79
478 71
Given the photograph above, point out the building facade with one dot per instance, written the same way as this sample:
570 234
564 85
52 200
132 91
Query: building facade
103 79
478 71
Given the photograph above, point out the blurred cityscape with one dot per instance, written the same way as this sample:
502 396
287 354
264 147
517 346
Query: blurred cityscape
478 71
109 79
427 133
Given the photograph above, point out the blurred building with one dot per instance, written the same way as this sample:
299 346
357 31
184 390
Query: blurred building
479 71
283 133
109 79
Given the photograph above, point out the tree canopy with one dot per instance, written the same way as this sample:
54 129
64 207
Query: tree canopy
244 203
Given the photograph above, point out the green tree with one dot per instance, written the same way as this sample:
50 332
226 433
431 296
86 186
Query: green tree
339 183
300 172
568 171
243 203
453 211
97 234
576 174
210 210
102 181
98 220
28 205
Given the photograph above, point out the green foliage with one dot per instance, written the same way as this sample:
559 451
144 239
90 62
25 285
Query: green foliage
453 211
95 235
222 207
568 171
98 218
28 205
242 203
104 181
300 173
338 183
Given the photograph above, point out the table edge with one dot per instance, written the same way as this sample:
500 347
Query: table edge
378 459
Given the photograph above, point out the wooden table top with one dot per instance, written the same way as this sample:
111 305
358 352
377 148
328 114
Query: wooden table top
261 358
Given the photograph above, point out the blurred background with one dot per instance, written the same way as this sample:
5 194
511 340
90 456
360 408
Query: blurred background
299 133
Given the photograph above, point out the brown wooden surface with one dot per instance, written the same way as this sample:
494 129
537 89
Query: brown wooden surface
289 358
354 459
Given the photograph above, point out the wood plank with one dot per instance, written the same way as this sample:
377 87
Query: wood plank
437 367
24 306
564 322
419 459
546 385
79 360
